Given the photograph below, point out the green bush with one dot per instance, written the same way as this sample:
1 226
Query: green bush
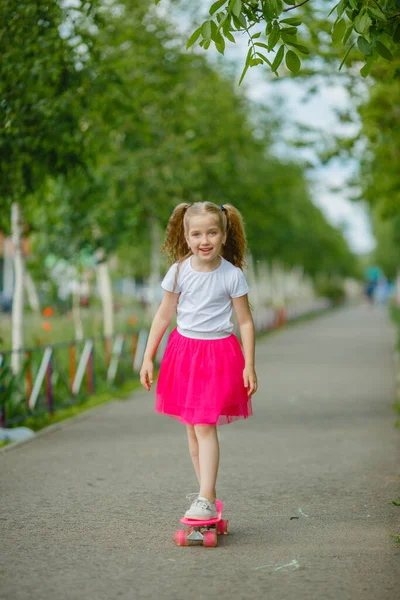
334 290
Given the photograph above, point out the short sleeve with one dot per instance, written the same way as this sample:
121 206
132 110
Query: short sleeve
170 281
239 285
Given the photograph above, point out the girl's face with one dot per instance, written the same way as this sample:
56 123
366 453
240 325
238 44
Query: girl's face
204 237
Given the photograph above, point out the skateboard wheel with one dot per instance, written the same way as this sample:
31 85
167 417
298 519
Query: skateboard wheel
210 538
223 527
181 537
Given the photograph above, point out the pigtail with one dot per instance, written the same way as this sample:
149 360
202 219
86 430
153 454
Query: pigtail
235 246
175 245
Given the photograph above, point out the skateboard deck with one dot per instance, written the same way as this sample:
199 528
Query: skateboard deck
205 531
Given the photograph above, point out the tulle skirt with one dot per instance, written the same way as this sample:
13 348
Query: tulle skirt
201 381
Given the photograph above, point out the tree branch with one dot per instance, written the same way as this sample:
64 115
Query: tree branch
295 6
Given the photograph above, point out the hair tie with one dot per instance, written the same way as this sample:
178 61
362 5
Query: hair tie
222 207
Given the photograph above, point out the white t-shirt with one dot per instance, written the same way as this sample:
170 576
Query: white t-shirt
205 301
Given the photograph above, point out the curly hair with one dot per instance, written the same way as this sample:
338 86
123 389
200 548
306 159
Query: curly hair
229 220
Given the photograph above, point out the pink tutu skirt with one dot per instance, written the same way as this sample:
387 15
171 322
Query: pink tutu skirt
201 381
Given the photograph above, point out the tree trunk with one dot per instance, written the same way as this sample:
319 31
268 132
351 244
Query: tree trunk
31 292
76 310
154 280
18 294
105 291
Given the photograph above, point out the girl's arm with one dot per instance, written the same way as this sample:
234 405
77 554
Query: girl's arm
159 326
246 326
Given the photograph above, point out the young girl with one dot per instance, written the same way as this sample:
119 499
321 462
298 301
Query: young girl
204 380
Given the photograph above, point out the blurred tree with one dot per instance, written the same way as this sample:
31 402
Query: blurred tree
148 127
43 74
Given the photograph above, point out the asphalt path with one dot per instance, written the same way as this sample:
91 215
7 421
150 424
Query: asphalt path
89 510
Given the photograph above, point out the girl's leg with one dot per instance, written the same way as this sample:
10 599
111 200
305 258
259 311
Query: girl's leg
208 459
194 449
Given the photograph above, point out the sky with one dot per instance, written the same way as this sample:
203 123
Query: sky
319 112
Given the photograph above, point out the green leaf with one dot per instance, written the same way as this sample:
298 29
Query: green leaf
230 37
269 8
256 61
292 21
220 46
221 18
288 38
226 25
242 19
396 35
338 31
365 70
293 62
256 35
265 59
237 7
345 56
214 7
262 45
240 22
299 47
340 8
206 30
353 4
383 51
248 59
278 58
207 44
347 34
243 74
362 23
333 9
364 46
193 38
273 38
289 30
215 34
378 14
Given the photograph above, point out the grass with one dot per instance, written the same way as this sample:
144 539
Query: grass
41 330
39 422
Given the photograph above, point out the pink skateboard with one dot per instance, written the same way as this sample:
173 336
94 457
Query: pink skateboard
202 531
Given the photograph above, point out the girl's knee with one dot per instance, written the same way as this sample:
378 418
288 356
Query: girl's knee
205 430
191 431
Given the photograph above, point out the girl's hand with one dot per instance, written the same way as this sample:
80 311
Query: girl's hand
147 374
250 380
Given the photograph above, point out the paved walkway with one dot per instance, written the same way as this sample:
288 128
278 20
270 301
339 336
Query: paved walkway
89 511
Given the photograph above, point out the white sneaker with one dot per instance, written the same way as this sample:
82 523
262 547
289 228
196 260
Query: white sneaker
202 509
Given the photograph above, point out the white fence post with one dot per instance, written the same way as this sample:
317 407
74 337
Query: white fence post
116 354
140 348
80 372
39 377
